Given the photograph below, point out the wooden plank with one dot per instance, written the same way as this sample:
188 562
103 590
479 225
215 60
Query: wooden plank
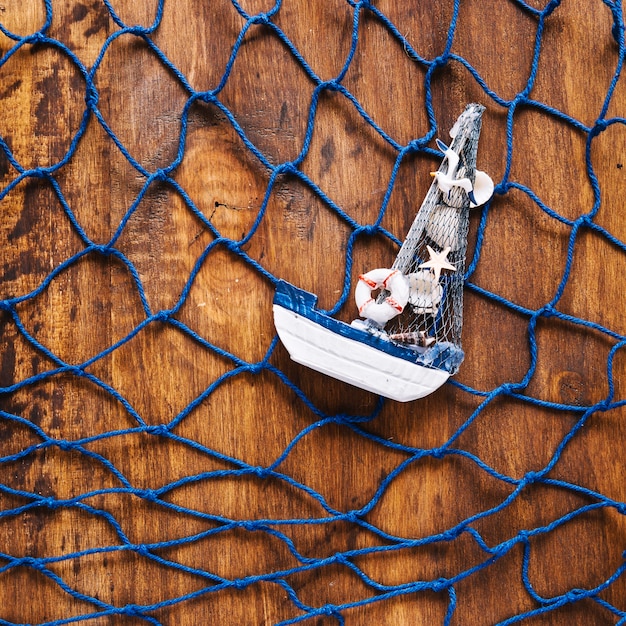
97 461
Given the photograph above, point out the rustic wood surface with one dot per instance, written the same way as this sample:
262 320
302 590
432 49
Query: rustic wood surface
253 416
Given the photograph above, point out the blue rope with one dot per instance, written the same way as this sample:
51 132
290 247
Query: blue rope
358 424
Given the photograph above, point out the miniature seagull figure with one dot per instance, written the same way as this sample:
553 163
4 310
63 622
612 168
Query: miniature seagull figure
446 180
438 261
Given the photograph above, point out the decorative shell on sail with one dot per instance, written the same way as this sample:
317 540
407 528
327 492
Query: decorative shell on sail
408 341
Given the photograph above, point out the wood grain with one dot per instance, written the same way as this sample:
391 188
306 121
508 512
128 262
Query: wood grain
163 373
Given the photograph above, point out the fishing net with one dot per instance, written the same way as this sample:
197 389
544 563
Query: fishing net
140 367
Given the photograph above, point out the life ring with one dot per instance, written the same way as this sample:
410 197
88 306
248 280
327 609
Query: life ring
392 281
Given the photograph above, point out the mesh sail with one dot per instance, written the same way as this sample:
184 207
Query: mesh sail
432 256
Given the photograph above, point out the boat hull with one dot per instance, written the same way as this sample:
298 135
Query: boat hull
349 354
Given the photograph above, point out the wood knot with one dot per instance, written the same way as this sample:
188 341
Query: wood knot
571 388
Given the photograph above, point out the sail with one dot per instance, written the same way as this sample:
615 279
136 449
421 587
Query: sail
432 257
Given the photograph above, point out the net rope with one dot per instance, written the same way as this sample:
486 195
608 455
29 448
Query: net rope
240 468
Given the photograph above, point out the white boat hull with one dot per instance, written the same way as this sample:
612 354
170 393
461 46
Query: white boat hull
353 361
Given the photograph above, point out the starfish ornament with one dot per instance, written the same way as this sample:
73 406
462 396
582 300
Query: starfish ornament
438 261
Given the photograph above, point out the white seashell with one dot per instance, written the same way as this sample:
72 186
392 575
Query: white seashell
425 292
483 188
443 226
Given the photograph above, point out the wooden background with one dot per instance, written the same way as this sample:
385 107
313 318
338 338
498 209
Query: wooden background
253 416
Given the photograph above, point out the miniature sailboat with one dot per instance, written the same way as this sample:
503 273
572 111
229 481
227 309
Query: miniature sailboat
409 340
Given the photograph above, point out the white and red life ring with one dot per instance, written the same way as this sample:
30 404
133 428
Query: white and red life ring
392 281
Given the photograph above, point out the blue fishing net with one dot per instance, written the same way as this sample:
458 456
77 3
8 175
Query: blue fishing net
560 421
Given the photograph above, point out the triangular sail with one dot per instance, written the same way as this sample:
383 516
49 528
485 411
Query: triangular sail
436 242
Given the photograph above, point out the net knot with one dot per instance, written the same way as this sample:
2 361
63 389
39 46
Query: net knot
239 583
207 96
573 595
162 316
351 516
531 477
142 550
501 188
599 127
29 561
103 250
439 585
508 388
586 220
65 445
38 172
148 494
255 368
157 429
138 30
4 305
260 472
248 525
132 609
260 18
36 38
440 61
232 245
160 175
287 168
369 229
91 96
438 453
49 503
329 609
415 145
330 85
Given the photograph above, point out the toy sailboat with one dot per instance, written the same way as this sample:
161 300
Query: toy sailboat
409 340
